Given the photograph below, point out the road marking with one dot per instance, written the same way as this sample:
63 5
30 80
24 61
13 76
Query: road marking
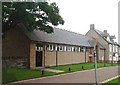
110 79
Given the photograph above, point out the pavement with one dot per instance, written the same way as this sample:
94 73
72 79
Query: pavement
87 76
53 70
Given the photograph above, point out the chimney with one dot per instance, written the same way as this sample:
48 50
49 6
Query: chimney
105 31
92 26
105 34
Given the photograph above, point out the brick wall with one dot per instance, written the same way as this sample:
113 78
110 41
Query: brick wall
64 58
32 58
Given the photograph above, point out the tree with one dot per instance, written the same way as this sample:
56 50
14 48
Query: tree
40 15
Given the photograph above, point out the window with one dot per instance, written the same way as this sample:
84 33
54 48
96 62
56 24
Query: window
79 49
68 48
82 49
47 47
72 49
75 49
61 48
113 48
119 50
55 47
87 49
50 47
38 48
110 47
65 48
116 48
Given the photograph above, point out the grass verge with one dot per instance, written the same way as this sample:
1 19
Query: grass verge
79 67
113 82
17 74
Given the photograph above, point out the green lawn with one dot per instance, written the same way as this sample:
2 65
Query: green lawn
78 67
16 74
113 82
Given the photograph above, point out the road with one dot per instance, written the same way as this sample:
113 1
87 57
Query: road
80 77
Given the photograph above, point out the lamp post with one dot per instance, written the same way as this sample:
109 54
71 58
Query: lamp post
95 64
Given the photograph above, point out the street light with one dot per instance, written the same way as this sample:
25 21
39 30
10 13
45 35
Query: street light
95 63
95 66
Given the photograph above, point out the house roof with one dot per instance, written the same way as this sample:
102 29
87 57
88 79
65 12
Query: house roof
102 35
92 43
60 36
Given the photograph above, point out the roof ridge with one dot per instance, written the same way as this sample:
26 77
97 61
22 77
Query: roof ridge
70 31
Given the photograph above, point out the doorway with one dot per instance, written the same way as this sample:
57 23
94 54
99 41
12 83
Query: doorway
90 59
39 58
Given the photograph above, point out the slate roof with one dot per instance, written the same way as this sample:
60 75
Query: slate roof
102 35
60 36
92 43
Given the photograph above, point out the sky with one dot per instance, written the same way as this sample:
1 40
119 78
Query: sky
79 14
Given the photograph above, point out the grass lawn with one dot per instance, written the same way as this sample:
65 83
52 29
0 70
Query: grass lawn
113 82
16 74
78 67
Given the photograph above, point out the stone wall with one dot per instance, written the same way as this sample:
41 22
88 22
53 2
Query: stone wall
15 61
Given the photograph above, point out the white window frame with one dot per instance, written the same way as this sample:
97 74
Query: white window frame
50 48
110 47
76 49
39 48
61 48
82 49
119 50
36 48
65 48
68 48
54 47
72 49
79 49
113 48
116 48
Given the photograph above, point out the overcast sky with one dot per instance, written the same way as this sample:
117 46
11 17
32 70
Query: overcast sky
79 14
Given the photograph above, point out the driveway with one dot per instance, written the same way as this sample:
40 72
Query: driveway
79 77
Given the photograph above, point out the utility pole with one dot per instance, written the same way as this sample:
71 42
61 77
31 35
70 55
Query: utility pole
95 64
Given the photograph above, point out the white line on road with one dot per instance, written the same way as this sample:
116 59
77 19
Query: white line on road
110 79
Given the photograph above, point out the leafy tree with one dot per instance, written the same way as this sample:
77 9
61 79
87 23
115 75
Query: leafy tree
40 15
